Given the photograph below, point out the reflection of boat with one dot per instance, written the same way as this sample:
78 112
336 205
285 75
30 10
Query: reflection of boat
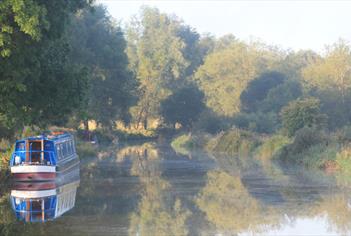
42 157
43 201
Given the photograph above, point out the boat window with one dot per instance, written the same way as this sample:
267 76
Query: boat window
70 147
36 205
58 152
73 147
20 146
61 149
66 148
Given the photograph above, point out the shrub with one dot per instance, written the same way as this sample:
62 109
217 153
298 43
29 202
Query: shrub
4 145
305 139
5 157
185 142
234 141
272 146
302 113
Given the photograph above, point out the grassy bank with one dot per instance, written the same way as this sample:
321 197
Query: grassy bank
271 146
185 142
317 149
310 147
234 142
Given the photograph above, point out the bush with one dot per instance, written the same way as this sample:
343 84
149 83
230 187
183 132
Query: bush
5 145
306 138
234 141
302 113
307 142
272 146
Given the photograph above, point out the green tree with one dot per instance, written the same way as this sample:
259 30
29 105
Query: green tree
39 84
183 106
98 45
155 51
281 95
257 90
333 71
302 113
295 62
226 72
34 18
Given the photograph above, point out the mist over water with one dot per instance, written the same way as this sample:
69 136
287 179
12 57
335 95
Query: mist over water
151 190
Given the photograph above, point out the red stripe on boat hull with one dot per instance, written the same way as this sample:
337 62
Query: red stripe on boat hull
34 186
34 176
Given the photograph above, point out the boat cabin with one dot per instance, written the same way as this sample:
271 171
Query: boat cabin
44 150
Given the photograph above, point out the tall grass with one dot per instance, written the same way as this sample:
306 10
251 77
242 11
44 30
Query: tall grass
5 153
271 146
234 142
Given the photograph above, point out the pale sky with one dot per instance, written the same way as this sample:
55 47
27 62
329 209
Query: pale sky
289 24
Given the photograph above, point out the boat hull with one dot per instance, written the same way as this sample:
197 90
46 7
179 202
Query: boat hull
33 173
42 172
34 176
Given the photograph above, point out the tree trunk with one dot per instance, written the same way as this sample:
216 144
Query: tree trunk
86 125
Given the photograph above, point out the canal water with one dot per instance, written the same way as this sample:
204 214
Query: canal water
152 190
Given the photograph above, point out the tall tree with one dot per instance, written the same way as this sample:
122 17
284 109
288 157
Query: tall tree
329 78
33 20
225 74
257 90
38 82
183 106
98 45
332 71
156 57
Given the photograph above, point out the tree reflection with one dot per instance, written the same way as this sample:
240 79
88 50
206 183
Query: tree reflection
229 206
158 213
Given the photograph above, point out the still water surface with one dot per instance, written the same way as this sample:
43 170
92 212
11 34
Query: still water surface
151 190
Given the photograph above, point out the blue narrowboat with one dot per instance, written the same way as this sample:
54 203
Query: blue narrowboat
41 158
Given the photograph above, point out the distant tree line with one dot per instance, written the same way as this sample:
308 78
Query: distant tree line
68 62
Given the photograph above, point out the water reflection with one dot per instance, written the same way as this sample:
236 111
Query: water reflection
158 212
44 201
150 190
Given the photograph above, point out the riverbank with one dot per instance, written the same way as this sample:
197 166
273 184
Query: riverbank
309 147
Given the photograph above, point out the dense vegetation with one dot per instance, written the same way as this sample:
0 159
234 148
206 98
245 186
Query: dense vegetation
67 63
